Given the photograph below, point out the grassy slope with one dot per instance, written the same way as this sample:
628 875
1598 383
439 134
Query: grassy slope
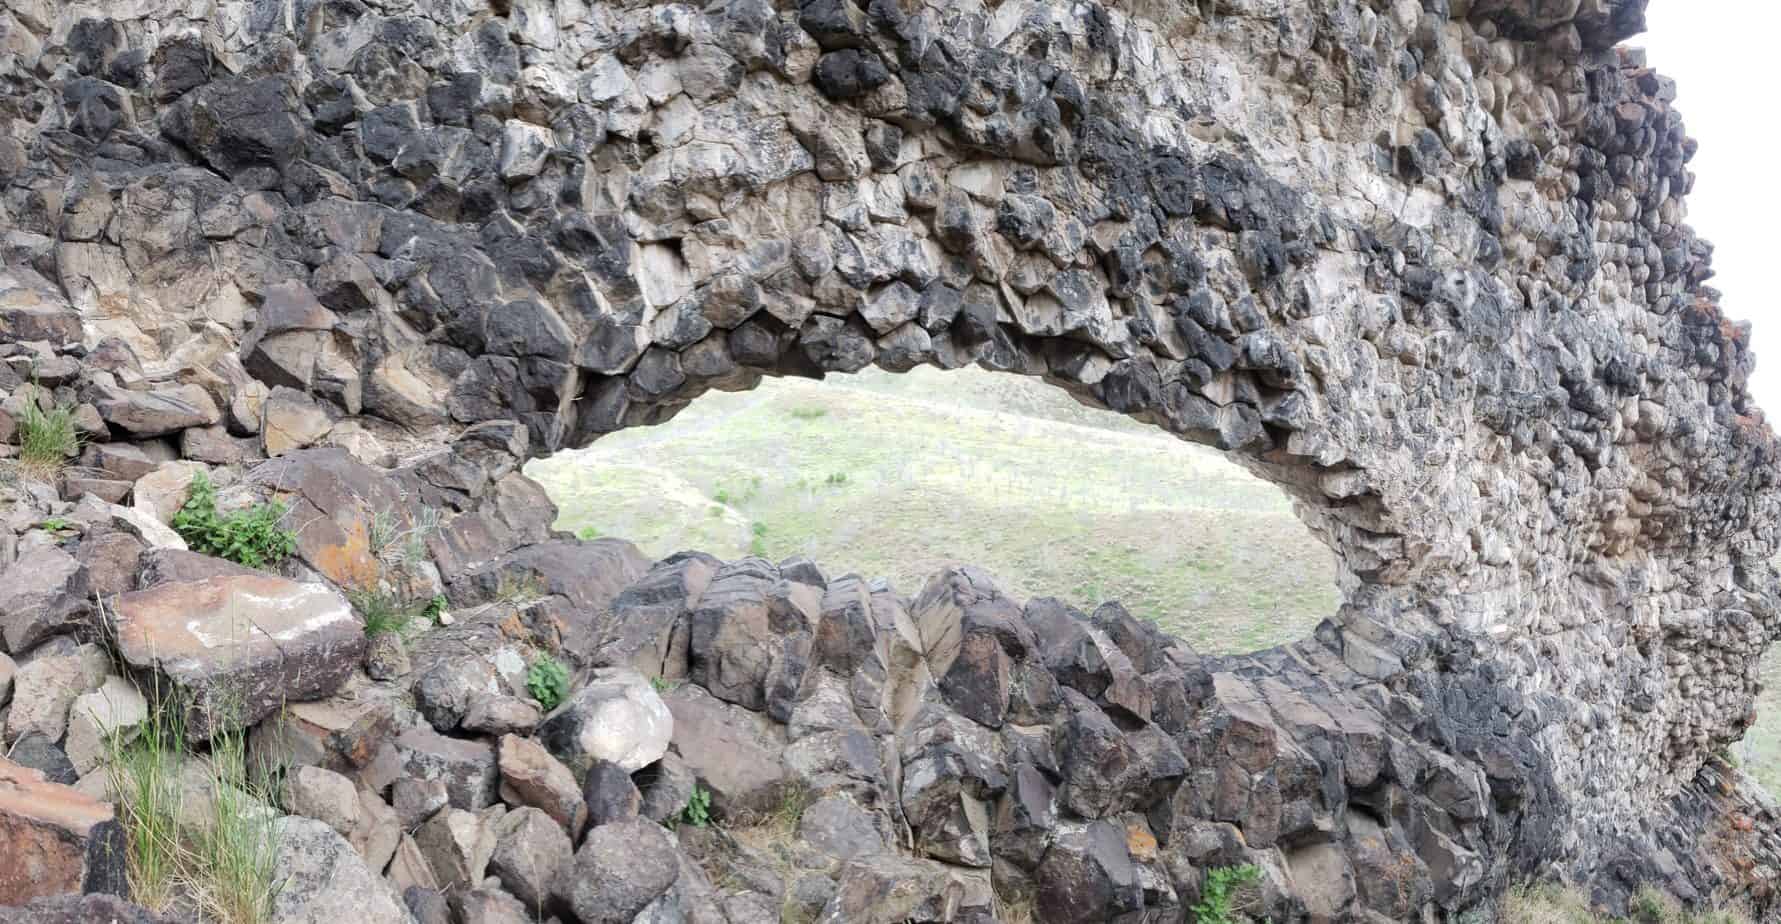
897 476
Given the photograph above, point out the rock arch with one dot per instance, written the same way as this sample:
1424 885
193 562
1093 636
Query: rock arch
1423 265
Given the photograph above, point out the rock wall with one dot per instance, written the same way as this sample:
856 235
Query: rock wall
1423 265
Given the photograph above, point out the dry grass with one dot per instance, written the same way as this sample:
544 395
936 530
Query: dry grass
1550 903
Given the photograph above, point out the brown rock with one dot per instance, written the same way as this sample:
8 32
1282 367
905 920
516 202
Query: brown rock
142 414
240 646
44 593
531 776
57 840
111 560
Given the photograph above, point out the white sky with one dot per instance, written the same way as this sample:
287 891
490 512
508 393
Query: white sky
1722 56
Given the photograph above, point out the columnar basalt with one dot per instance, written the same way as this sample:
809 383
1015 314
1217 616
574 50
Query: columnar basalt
1424 265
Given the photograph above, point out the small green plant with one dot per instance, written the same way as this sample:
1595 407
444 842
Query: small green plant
1217 892
435 608
392 543
809 413
587 532
836 479
254 537
56 524
716 511
548 681
662 684
722 496
698 808
46 438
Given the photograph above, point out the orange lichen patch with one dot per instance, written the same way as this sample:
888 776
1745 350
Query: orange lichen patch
349 563
1140 843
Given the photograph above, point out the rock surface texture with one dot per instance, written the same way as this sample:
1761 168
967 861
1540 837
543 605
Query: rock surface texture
1422 264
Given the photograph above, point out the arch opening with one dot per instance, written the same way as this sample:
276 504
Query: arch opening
899 475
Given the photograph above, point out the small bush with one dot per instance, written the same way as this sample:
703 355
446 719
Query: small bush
809 413
587 532
836 479
698 808
662 684
548 682
46 438
435 608
1216 893
55 524
254 537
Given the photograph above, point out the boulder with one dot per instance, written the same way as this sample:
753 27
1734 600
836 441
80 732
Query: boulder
531 849
325 796
489 906
112 560
96 908
468 768
143 414
324 881
115 710
239 647
457 845
1087 875
415 801
620 869
57 840
531 776
45 687
37 752
617 716
610 794
291 420
161 492
45 592
738 754
500 715
378 831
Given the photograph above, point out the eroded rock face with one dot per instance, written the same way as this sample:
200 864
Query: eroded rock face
1423 265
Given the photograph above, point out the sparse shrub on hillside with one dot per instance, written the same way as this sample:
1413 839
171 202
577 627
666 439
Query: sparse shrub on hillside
587 532
548 682
255 537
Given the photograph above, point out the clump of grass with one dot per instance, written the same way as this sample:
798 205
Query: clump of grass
662 684
757 546
255 537
836 479
1218 894
381 612
809 413
237 851
227 865
397 545
548 681
587 532
1552 903
145 785
46 439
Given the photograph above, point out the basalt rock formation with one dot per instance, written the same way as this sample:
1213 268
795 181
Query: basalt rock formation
1422 264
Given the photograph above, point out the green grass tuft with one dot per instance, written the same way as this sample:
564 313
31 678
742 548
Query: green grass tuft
47 439
382 613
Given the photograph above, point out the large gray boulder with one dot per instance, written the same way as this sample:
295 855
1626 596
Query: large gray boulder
620 869
325 881
616 716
